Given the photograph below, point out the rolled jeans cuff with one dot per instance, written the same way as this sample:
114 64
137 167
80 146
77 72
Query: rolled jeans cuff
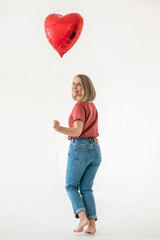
79 210
92 217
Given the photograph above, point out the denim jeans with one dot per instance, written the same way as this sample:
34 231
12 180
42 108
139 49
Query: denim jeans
84 158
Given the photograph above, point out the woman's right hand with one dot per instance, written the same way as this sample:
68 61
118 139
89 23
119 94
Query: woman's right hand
56 125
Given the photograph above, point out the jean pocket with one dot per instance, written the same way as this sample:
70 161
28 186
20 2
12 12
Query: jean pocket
82 155
98 151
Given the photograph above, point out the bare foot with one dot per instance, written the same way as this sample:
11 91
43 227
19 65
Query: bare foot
83 222
91 229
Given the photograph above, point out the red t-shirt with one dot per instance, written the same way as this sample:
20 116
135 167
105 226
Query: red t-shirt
86 112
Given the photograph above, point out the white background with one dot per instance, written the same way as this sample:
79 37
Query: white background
119 49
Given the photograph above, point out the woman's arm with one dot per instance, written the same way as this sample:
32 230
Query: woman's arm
72 132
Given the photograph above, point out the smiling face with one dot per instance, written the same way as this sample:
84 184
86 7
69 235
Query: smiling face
77 88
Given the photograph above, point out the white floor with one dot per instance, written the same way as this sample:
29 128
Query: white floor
58 224
47 232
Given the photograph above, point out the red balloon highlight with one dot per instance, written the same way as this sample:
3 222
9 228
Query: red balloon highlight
63 31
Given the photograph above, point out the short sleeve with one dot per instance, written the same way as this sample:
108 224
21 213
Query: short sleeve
78 112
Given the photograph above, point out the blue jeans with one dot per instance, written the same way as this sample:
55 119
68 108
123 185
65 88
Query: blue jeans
84 158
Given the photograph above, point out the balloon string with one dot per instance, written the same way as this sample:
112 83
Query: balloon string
56 117
56 162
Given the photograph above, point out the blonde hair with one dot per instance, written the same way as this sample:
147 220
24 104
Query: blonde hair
88 90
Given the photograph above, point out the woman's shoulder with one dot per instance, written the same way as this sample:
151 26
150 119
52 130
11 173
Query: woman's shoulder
85 105
79 104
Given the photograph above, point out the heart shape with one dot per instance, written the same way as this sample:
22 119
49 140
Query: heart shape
63 31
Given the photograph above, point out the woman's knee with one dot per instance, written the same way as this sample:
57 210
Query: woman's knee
85 189
70 187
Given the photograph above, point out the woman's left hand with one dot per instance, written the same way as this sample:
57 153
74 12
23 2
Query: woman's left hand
56 125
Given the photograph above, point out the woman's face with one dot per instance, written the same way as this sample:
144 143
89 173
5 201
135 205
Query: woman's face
77 88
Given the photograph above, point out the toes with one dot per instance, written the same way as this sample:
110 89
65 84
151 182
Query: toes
79 229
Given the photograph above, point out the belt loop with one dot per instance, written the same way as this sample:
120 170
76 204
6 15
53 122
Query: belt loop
73 139
89 140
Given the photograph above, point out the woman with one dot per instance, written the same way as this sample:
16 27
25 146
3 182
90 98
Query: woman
84 156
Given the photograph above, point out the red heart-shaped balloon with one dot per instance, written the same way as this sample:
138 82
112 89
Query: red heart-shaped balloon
63 31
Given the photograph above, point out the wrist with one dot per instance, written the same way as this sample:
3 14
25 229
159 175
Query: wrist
58 129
